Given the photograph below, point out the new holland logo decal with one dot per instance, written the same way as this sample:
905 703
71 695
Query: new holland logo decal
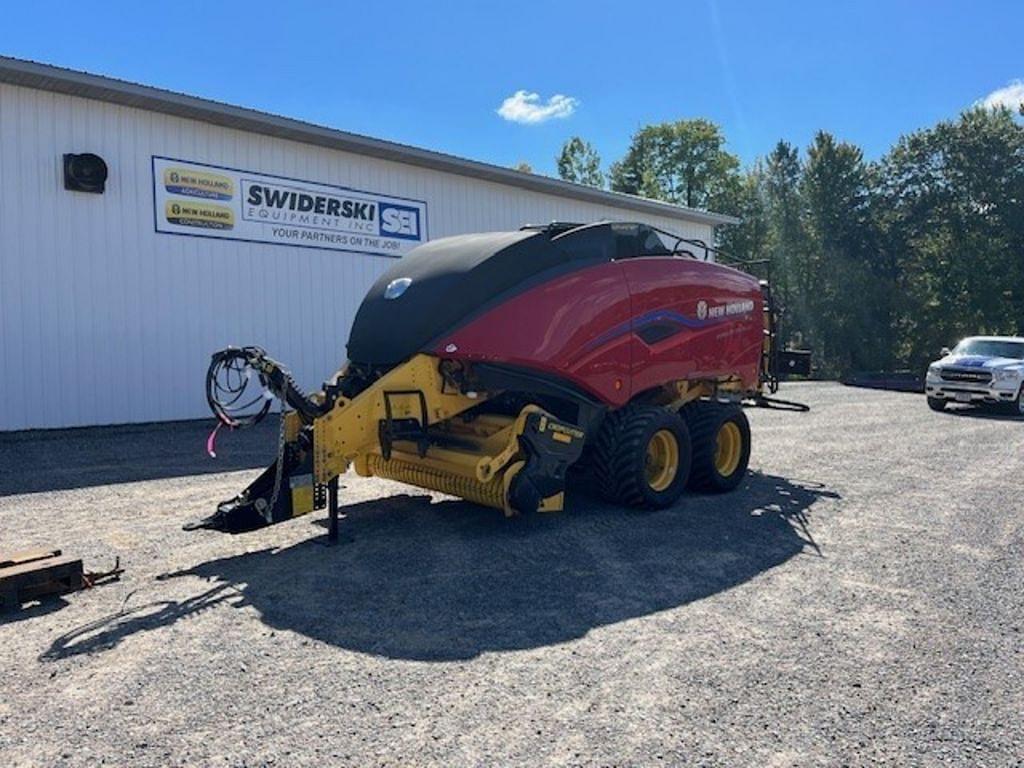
193 183
203 215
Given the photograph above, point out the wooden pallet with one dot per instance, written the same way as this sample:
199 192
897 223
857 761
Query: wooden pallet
37 573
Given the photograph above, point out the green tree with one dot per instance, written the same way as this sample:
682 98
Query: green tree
839 292
951 212
684 162
787 247
579 162
878 264
787 240
745 199
523 167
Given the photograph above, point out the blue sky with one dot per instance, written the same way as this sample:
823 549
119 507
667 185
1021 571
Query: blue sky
435 75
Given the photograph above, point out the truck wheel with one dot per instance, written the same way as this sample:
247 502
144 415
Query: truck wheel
937 403
1017 407
721 445
642 457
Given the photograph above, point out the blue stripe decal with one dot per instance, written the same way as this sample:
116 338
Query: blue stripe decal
656 316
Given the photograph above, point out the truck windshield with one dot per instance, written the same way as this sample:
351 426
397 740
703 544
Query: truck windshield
990 348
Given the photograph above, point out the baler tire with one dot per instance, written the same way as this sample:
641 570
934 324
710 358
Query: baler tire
706 420
620 456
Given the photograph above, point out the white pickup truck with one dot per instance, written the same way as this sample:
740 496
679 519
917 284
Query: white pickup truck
980 369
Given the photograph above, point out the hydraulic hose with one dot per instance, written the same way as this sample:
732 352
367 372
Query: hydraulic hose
229 377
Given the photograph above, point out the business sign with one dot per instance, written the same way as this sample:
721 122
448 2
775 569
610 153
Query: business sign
229 204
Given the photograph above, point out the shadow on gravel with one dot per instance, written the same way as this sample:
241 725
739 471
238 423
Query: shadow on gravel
981 412
107 632
62 459
448 580
34 610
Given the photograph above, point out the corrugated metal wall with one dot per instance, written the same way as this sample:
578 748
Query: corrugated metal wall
104 321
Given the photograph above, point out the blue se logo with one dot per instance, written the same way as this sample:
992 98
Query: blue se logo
399 221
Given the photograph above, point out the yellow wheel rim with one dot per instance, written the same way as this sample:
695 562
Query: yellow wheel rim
728 449
662 460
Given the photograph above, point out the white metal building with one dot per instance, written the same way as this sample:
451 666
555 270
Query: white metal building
218 225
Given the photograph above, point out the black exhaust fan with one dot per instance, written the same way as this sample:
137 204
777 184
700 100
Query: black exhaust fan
85 173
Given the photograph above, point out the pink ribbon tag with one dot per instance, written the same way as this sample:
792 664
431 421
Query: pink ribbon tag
211 441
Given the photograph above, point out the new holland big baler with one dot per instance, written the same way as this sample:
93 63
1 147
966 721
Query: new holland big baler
486 366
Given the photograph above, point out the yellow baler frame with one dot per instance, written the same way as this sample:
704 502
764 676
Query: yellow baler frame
351 426
481 469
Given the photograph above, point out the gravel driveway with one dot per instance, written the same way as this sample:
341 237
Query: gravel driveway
860 600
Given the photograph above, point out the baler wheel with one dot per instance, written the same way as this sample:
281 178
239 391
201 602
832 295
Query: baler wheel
721 445
642 456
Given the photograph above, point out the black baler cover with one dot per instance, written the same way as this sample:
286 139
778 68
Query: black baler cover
452 279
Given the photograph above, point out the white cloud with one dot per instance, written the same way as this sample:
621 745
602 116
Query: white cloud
1011 95
527 108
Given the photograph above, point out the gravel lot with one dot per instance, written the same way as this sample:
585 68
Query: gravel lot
858 601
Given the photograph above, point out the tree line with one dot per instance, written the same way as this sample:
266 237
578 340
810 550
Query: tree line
878 264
